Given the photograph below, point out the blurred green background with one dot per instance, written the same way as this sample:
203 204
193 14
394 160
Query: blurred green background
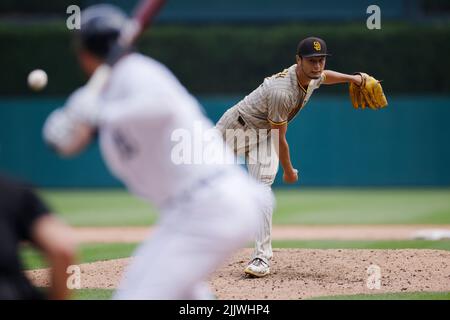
309 206
221 51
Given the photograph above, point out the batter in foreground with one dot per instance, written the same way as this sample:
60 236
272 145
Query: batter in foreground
204 217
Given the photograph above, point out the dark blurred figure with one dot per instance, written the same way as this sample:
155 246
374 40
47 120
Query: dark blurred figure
24 217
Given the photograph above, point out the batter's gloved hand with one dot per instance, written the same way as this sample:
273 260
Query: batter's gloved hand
67 129
59 129
369 93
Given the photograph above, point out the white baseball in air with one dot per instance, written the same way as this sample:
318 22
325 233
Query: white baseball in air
37 79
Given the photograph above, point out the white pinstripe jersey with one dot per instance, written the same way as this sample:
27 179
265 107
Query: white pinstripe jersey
277 100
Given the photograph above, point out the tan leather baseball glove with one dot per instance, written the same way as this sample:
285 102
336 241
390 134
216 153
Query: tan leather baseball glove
369 93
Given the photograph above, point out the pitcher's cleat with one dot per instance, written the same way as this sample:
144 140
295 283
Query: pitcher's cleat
257 268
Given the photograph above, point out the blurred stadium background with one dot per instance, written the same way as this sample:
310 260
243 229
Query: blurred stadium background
221 50
356 166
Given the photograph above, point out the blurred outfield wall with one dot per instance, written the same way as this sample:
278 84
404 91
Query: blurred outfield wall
229 59
406 144
272 10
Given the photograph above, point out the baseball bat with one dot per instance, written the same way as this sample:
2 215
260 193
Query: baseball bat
143 15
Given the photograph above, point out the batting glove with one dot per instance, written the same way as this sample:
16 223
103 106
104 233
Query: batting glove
59 129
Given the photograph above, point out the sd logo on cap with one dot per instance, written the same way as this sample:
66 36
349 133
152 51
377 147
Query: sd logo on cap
312 47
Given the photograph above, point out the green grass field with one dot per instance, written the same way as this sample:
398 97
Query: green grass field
92 294
307 206
104 294
100 208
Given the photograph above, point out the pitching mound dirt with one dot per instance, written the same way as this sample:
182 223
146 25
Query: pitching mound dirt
303 273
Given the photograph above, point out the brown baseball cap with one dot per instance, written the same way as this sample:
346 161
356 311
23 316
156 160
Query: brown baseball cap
312 47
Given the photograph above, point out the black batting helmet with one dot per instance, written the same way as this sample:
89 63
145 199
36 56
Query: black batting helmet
100 27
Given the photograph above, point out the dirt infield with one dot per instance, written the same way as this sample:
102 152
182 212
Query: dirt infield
303 273
340 232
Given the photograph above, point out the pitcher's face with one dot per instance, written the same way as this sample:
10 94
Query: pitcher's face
312 67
